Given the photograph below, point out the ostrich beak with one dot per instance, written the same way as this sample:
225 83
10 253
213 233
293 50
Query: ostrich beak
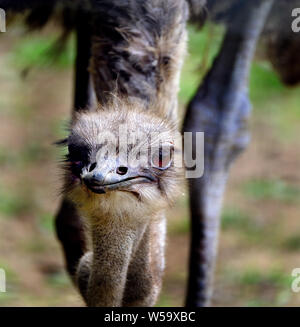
101 180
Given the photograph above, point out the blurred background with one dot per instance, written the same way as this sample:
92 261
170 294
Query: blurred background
260 237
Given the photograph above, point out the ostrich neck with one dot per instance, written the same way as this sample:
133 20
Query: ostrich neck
123 230
114 243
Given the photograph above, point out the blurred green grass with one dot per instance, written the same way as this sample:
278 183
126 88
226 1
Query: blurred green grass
291 243
275 283
236 219
38 51
263 189
13 205
202 48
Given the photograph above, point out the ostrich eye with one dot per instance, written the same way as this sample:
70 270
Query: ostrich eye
162 157
77 164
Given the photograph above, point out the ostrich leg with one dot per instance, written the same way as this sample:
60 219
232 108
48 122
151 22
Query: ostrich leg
220 109
69 227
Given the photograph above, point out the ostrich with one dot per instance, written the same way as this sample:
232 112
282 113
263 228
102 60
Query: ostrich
133 51
122 199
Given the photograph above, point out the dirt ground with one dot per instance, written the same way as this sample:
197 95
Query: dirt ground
260 237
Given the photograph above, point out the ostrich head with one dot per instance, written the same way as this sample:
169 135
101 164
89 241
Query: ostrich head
121 160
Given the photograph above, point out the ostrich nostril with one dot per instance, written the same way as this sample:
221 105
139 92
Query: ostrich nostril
122 170
92 166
